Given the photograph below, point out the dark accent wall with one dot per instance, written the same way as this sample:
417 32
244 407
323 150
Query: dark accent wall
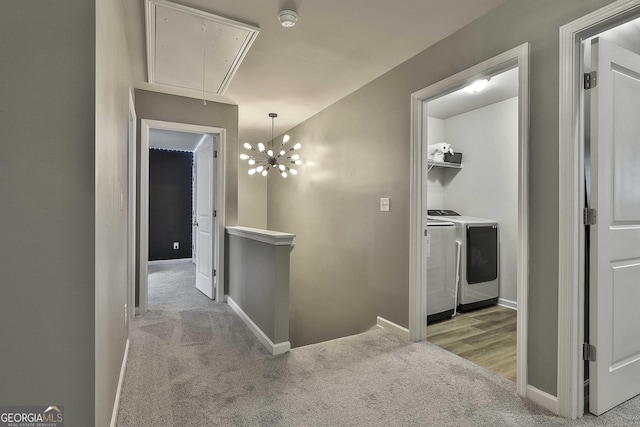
170 204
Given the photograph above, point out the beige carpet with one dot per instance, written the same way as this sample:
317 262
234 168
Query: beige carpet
198 365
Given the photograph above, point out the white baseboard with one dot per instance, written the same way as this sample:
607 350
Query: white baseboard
116 403
394 328
275 349
170 261
542 398
507 303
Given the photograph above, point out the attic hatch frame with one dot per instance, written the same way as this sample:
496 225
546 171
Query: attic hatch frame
151 8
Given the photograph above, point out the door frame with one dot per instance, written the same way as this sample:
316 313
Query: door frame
571 250
516 57
131 203
218 261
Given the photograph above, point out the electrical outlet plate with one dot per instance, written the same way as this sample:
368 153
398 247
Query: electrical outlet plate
176 245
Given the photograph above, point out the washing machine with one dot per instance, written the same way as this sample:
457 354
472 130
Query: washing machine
479 262
441 252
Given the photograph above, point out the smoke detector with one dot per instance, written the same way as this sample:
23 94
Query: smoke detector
287 18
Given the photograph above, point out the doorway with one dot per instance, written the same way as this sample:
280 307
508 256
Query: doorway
516 58
582 385
211 264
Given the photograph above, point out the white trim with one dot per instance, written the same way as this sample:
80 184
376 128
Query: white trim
544 399
170 261
394 328
571 200
502 302
116 403
518 56
131 206
218 262
275 349
275 238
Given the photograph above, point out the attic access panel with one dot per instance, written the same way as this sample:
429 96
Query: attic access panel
192 49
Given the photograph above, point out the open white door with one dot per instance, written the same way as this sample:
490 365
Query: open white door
205 166
614 316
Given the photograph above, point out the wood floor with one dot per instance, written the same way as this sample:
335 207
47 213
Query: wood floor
486 337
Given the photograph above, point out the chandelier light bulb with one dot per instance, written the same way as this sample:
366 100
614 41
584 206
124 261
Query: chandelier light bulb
266 157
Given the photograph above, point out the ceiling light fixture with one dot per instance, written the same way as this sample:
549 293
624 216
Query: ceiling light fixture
287 18
263 159
477 86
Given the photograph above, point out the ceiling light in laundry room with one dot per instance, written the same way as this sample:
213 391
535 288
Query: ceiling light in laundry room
477 86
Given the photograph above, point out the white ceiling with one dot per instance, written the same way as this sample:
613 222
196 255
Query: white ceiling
500 87
172 140
336 47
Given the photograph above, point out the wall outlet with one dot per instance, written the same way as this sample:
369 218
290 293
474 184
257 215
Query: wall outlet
126 315
176 245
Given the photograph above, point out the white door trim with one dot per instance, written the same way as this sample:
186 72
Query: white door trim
131 205
218 262
518 56
571 193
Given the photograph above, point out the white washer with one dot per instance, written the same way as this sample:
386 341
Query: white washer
441 252
479 258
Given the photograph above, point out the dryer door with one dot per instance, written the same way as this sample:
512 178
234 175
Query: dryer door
482 253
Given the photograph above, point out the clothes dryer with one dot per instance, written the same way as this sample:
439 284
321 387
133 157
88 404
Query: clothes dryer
479 266
441 252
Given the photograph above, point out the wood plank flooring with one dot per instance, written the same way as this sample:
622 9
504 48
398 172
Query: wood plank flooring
487 337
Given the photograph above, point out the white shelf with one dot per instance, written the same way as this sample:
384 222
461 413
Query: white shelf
432 164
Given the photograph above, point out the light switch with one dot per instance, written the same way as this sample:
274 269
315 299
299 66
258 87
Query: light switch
384 204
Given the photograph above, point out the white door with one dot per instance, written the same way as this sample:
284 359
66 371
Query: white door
614 315
205 166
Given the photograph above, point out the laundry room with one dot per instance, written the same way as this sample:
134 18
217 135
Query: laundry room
473 187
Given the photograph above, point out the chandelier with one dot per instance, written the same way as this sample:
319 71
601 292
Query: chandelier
265 159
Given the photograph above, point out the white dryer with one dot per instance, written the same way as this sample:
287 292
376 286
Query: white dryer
441 252
479 258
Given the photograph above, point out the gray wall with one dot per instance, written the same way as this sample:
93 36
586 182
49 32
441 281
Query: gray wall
113 79
47 205
171 108
258 276
351 261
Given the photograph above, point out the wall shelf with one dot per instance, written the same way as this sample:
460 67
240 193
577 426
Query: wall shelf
431 164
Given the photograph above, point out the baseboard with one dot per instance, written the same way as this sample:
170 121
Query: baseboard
275 349
394 328
170 261
116 403
542 398
507 303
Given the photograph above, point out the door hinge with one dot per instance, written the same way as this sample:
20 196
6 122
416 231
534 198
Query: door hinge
590 80
215 154
590 216
215 214
588 352
215 272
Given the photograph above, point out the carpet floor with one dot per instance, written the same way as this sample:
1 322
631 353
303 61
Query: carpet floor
193 362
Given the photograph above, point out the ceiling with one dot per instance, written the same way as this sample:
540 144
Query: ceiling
336 47
499 88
